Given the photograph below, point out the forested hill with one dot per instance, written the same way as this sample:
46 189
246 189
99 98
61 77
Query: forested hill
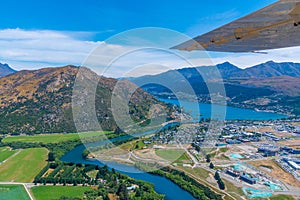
39 101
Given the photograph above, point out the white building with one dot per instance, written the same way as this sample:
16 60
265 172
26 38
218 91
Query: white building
294 165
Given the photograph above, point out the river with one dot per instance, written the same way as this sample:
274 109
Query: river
161 184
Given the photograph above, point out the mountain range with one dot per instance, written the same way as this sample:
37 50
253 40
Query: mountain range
39 101
260 80
5 69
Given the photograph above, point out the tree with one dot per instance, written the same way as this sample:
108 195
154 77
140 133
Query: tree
221 184
105 197
138 192
137 146
51 157
122 192
197 148
208 158
85 153
118 130
219 180
211 165
217 175
91 195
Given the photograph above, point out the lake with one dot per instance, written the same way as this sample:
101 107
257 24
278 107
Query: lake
161 184
202 110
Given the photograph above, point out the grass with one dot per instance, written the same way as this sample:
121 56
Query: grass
139 145
276 171
13 192
55 192
172 155
201 175
224 157
127 145
198 172
212 155
6 152
132 145
52 138
92 174
24 166
282 197
234 190
223 150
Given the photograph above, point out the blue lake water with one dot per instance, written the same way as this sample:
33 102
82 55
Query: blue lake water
161 184
202 110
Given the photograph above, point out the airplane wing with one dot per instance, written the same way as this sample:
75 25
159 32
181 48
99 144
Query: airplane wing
275 26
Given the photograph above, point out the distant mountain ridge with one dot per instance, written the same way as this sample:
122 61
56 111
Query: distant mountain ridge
270 69
5 69
230 71
263 70
256 81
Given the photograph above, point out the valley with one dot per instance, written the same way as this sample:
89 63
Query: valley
66 160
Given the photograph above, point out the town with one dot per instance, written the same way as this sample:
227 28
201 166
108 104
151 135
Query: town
261 157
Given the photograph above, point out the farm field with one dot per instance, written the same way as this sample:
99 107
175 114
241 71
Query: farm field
52 138
13 192
55 192
282 197
172 155
6 152
24 166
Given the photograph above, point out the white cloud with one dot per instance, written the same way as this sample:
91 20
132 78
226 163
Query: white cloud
245 60
39 48
32 49
136 61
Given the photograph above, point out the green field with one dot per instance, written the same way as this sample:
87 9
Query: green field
51 138
92 174
13 192
55 192
282 197
172 155
6 152
24 166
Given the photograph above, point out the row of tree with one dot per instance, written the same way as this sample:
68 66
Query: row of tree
184 181
219 180
107 181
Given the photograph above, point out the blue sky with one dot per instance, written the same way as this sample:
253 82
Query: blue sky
108 17
35 34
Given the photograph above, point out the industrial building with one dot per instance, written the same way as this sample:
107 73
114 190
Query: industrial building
248 179
294 165
268 150
232 173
